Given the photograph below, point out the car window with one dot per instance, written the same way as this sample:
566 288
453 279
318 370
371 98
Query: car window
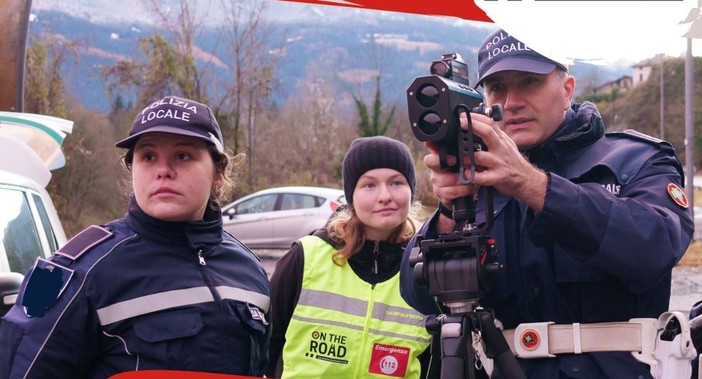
258 204
300 201
312 201
46 223
18 231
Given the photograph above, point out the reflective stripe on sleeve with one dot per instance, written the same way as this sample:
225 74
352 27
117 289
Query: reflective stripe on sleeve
176 298
258 299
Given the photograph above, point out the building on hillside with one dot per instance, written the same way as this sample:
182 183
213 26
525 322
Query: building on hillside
624 84
643 69
640 73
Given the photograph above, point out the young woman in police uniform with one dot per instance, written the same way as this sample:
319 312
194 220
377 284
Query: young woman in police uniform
164 287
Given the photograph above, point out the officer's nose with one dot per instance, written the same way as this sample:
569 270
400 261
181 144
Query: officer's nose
164 170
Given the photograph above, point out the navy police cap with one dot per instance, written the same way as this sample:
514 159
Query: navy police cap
500 51
176 115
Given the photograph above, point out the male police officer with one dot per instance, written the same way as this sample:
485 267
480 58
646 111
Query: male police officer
588 225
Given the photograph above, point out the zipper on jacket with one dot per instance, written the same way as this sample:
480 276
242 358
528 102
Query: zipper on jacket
201 258
208 280
376 255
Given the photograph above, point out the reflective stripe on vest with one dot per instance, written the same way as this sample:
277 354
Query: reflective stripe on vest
356 331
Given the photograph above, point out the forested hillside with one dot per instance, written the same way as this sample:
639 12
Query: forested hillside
640 108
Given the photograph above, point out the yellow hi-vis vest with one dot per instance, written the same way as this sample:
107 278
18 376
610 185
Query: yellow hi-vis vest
343 327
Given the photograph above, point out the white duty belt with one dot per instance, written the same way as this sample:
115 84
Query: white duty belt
546 339
639 336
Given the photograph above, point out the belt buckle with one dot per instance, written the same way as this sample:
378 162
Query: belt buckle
531 340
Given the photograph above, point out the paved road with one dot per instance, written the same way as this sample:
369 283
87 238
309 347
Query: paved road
686 289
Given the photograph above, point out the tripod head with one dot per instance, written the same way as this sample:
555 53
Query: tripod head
456 266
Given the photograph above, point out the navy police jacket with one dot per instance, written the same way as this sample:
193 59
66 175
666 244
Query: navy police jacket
139 294
614 224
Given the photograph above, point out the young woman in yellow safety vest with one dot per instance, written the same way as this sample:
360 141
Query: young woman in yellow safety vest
336 306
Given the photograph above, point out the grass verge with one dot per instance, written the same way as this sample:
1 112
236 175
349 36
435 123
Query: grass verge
693 255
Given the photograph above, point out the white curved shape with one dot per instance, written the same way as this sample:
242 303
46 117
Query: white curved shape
42 134
18 158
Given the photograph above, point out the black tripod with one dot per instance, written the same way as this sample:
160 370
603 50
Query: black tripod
457 268
452 334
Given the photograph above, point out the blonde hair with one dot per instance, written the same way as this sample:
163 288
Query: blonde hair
346 229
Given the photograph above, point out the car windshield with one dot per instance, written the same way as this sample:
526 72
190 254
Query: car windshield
18 232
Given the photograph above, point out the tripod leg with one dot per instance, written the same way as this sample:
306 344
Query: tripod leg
496 345
457 359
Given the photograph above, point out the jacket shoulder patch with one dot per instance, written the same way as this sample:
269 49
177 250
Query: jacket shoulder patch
44 286
84 241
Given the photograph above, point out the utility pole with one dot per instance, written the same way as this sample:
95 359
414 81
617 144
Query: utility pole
689 122
694 32
662 132
14 25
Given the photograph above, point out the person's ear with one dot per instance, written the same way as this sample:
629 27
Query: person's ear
217 182
569 91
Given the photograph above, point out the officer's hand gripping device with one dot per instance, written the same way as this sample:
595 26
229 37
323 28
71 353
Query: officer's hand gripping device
457 266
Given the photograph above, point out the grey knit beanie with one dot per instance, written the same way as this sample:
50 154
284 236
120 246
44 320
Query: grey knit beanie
368 153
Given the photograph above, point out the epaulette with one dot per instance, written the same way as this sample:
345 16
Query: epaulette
84 241
634 134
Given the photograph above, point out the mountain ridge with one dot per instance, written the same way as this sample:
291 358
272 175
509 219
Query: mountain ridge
335 35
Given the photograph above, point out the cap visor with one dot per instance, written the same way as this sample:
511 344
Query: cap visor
519 64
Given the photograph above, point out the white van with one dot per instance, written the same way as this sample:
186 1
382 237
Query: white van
30 147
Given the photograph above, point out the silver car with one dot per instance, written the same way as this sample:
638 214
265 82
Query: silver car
274 218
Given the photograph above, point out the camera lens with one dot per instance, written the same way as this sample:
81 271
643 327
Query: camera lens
430 123
439 68
428 96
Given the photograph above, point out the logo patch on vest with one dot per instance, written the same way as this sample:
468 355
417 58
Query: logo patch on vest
389 360
328 347
44 286
530 339
257 314
612 188
678 195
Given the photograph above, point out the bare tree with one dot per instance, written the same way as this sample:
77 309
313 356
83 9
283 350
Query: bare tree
305 144
371 121
253 71
83 190
170 65
88 189
183 28
44 85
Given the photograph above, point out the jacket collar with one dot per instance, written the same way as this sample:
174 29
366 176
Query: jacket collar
581 126
196 234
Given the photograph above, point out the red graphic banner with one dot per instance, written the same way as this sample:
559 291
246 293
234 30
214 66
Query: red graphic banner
465 9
